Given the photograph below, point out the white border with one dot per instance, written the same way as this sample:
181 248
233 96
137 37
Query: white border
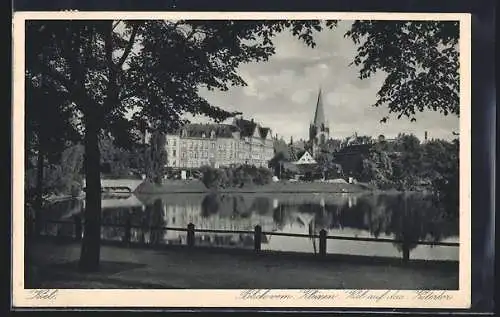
230 298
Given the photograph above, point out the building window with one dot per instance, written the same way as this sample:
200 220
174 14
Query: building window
173 153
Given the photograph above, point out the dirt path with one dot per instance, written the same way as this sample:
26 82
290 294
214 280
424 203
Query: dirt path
53 265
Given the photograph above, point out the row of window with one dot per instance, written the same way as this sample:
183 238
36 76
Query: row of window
228 155
204 161
203 143
226 152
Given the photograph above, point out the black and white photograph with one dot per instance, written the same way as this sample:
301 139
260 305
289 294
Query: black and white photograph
257 155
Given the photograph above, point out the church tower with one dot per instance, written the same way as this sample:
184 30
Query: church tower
319 132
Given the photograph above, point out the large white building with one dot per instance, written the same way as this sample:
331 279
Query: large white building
219 145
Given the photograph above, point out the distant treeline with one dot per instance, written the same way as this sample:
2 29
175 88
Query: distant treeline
404 163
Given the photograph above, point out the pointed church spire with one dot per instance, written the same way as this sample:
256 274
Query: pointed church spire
319 115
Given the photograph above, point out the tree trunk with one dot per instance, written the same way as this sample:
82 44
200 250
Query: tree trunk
90 251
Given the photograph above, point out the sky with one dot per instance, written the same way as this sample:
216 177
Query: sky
282 93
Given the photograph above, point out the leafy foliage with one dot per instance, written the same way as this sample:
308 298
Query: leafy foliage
63 177
155 158
49 125
235 177
377 169
407 166
276 163
326 165
410 165
421 61
280 146
115 160
445 180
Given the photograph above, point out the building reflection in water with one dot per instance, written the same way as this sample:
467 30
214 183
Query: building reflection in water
408 218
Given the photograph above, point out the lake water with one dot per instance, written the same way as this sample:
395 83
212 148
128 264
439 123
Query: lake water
391 216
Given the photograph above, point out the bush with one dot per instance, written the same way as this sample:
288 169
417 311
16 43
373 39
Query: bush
263 176
209 177
76 189
240 176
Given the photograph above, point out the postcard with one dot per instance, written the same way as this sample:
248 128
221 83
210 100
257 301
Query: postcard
270 159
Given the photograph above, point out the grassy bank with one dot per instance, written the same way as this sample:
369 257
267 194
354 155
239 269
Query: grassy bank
195 186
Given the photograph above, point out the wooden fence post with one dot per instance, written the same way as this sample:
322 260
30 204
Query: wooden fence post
78 227
322 242
190 235
406 252
128 230
257 238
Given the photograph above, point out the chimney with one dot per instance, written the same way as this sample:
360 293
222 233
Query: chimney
425 136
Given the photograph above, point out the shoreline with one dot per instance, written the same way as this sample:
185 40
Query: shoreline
197 187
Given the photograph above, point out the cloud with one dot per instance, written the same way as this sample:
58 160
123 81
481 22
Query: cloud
282 92
301 96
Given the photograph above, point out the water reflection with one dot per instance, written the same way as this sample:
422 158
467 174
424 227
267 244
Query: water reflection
404 217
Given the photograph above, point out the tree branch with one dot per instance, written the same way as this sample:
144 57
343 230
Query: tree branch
130 44
108 47
115 24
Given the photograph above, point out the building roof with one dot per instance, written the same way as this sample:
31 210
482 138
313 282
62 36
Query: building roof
263 132
295 153
197 130
305 159
319 115
247 128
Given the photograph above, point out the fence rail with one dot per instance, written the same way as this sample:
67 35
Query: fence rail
257 234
